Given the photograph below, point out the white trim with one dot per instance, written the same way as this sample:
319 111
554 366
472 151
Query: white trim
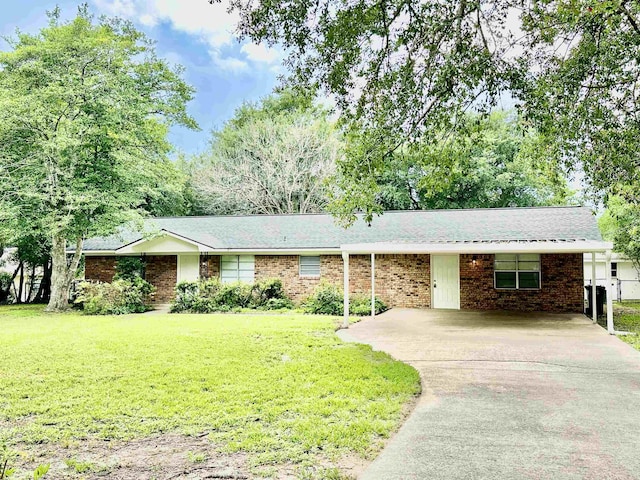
345 287
373 285
163 233
594 307
517 272
229 251
610 326
579 246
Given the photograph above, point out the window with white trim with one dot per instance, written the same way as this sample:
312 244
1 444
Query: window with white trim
512 271
614 269
237 268
310 266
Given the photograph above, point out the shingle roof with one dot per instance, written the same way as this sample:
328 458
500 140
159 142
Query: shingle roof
308 231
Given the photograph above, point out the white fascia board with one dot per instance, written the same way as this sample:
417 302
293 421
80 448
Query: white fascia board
163 233
479 248
231 251
600 257
274 251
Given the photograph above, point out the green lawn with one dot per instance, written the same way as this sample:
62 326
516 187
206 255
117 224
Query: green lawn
279 389
627 318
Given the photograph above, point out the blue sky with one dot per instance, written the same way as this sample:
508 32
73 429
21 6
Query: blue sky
192 33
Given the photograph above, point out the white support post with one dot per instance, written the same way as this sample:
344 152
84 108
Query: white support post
345 286
607 266
594 308
373 285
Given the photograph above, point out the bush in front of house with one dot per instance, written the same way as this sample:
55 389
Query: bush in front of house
208 296
328 299
120 297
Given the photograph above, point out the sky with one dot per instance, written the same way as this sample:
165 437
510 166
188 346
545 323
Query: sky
224 71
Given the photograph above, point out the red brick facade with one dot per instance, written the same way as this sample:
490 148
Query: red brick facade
401 280
562 286
162 272
100 269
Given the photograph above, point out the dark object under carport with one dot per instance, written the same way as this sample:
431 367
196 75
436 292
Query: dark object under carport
601 296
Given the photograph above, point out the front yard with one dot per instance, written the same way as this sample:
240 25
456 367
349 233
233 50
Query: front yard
193 396
627 318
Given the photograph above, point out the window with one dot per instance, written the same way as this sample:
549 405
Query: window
614 269
310 266
517 271
234 268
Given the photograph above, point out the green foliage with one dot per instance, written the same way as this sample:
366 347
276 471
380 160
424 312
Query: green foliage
5 284
256 384
8 456
327 299
621 224
493 162
85 107
120 297
211 295
129 268
404 74
40 471
196 457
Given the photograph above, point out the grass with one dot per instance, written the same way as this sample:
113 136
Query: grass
627 318
277 388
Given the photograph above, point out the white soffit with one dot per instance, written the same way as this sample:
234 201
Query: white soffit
544 246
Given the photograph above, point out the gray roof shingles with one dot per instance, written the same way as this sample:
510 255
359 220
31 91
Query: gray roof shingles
302 231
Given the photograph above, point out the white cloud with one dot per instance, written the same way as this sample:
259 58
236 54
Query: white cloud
211 24
261 53
228 63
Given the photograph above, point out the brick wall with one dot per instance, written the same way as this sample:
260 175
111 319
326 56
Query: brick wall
561 286
404 280
100 269
209 266
401 280
162 272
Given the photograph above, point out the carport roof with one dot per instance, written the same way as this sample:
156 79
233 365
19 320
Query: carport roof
499 226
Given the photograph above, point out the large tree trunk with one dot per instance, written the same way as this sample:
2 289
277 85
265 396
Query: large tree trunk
62 272
44 291
21 284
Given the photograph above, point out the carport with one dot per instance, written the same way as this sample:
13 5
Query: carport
449 259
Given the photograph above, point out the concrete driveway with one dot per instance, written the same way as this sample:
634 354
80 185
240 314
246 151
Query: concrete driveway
510 396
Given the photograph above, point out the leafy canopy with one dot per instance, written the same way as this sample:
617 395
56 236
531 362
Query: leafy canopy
85 107
84 111
491 162
404 71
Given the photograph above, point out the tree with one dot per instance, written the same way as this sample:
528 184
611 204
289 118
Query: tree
404 72
84 110
269 158
620 223
492 163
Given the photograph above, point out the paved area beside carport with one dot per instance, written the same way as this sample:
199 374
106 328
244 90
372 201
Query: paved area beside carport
510 396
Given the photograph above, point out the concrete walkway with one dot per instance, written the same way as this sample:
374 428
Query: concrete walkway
509 396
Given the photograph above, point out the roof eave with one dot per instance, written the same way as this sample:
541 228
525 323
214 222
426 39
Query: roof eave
577 246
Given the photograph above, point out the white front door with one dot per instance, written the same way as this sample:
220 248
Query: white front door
188 267
445 281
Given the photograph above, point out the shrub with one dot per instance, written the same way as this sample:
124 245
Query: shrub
5 288
213 296
116 298
129 268
328 299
